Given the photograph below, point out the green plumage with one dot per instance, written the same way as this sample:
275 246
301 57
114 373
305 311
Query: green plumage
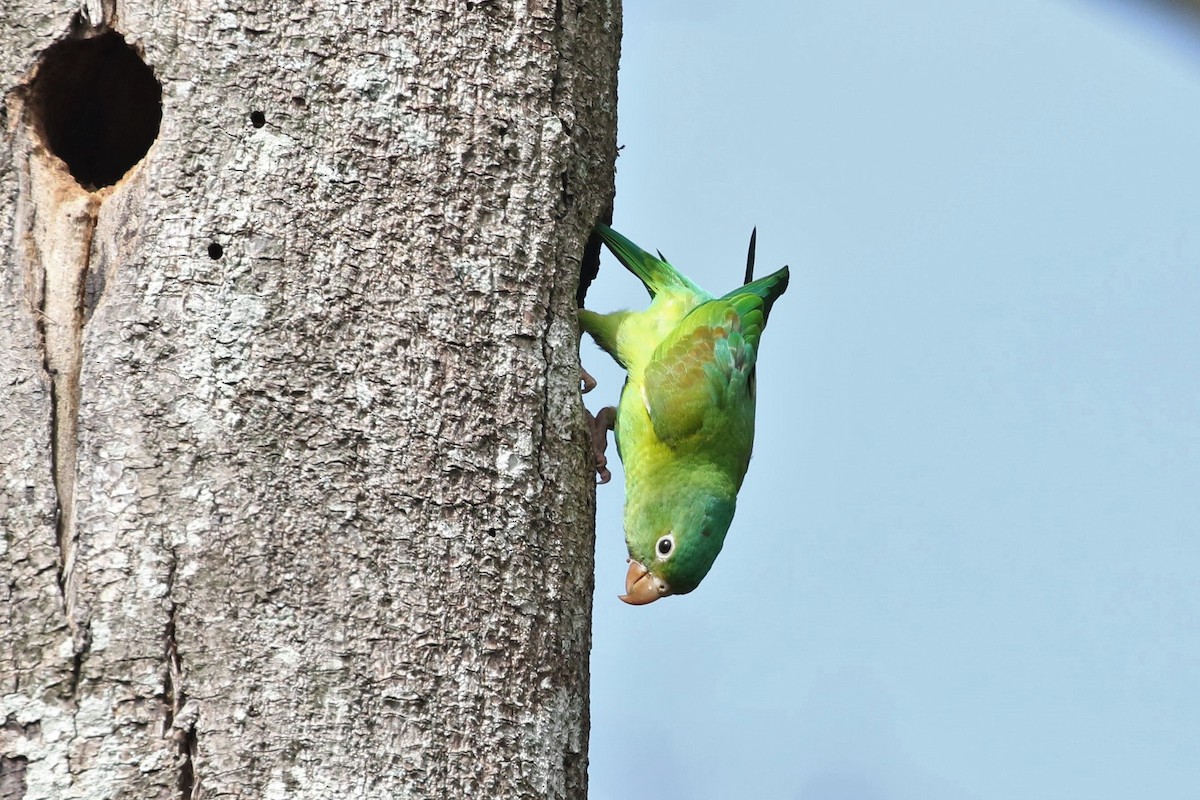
685 422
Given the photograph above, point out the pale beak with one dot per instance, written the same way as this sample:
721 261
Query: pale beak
641 587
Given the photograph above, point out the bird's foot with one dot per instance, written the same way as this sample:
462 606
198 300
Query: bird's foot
587 380
600 425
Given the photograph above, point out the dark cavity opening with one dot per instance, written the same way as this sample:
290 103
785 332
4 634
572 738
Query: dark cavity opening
215 251
97 106
258 119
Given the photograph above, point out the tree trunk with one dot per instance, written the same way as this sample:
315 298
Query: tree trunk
294 486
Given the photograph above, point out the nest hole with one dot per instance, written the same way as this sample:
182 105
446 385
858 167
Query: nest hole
97 106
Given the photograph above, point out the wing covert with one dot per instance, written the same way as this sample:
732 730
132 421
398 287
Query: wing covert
697 372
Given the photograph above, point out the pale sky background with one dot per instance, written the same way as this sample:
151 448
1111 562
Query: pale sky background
966 560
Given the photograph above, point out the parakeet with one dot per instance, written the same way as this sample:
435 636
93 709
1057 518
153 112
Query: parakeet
685 423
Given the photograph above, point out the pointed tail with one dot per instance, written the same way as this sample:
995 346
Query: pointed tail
750 256
655 273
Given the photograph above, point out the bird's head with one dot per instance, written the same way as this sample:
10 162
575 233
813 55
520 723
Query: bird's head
673 543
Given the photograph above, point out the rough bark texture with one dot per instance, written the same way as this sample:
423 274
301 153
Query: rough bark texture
294 485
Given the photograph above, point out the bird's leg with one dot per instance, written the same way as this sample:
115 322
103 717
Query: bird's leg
600 425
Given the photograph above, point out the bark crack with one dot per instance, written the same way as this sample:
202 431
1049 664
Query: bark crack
556 78
63 230
548 362
180 715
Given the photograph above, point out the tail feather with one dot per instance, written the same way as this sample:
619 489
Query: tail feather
750 256
655 273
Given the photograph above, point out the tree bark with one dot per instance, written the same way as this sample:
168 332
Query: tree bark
294 485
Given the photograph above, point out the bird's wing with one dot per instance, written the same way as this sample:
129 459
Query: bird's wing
697 372
704 368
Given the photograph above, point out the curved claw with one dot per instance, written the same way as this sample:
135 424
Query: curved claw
600 425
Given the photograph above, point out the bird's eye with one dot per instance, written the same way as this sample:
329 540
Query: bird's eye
665 546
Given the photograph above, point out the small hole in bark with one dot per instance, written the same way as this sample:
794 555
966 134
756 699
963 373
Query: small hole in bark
97 106
215 251
258 119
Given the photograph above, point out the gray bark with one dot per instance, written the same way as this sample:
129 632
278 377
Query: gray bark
309 515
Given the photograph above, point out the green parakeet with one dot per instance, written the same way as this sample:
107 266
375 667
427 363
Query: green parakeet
685 422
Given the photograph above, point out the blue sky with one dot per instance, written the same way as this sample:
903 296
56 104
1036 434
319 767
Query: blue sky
966 561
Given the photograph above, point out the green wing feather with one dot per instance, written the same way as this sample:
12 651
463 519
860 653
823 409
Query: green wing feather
760 296
700 378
